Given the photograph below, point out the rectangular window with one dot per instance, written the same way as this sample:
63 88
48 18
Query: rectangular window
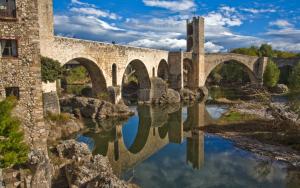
12 91
8 48
8 9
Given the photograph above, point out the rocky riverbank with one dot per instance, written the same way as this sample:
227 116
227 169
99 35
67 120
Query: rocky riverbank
75 166
94 108
271 130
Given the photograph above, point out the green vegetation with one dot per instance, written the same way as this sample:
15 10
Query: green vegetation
51 70
103 96
77 75
133 79
252 51
271 75
13 150
265 50
60 119
228 73
294 79
234 116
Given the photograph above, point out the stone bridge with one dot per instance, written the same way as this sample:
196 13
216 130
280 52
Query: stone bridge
108 64
282 62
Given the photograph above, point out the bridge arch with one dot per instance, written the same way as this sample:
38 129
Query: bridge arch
96 74
137 69
249 69
163 70
188 73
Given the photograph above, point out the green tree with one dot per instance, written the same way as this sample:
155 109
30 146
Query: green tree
294 79
271 74
77 75
13 150
252 51
51 70
266 50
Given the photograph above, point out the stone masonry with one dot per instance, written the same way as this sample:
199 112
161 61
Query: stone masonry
23 72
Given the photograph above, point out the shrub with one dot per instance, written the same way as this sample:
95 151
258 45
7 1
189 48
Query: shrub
51 70
103 96
294 79
60 119
271 75
77 75
13 150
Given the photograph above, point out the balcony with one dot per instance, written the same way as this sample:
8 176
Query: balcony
8 9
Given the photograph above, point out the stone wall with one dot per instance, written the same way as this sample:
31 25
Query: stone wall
51 102
24 71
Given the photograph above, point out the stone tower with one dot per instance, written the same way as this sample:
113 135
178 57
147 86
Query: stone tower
46 23
195 45
20 72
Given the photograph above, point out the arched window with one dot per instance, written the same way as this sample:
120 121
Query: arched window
114 75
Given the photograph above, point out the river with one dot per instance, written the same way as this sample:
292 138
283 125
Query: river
163 147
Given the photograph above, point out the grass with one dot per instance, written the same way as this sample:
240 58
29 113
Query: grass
60 119
234 116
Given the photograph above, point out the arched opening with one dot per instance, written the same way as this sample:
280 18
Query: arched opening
188 74
190 44
114 75
136 83
163 70
285 72
83 77
137 130
189 29
153 72
227 78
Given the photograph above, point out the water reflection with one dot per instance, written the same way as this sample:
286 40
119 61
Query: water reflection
164 147
152 128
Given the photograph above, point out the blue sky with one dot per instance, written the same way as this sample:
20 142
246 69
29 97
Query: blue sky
161 23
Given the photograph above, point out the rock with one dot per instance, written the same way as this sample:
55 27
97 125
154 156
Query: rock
73 150
58 130
187 95
202 92
97 109
170 97
42 169
86 170
280 89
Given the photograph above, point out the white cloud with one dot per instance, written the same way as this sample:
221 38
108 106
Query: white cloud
175 5
281 23
74 24
217 19
256 11
77 2
94 12
167 43
213 48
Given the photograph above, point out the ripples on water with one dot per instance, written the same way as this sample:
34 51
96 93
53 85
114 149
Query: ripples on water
163 147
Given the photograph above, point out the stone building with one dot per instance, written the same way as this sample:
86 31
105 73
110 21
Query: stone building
20 72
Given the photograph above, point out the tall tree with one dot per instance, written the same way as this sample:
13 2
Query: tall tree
266 50
271 74
294 79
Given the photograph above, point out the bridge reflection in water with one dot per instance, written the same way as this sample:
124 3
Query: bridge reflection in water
150 130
